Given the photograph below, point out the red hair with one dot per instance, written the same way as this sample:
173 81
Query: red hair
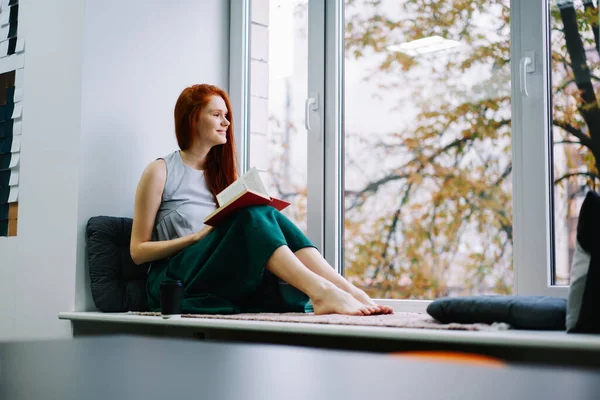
221 165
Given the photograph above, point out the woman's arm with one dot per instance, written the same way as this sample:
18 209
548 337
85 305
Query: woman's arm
147 201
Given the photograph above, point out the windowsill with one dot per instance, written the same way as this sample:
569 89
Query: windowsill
509 338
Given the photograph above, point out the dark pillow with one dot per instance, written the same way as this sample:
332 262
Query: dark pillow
521 312
584 291
117 283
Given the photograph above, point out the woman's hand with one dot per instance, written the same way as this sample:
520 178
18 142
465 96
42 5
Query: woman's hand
202 233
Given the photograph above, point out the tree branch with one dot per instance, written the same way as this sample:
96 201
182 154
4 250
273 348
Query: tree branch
570 175
570 81
589 107
374 186
567 142
585 139
504 175
392 230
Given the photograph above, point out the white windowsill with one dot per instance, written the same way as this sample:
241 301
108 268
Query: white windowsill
539 339
418 306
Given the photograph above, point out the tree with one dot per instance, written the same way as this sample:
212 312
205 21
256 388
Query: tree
576 111
452 217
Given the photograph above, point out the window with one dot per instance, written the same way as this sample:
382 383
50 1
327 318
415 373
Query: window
278 144
415 143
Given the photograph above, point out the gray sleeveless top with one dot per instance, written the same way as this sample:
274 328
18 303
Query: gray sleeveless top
186 201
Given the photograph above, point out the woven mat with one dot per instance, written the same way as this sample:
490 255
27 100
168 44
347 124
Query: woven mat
396 320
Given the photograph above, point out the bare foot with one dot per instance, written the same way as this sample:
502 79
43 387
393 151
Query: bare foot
364 298
332 300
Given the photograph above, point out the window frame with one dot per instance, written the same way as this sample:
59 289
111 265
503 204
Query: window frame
333 134
533 240
315 152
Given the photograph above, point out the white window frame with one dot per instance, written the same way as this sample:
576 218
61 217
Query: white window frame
533 241
315 136
334 138
239 75
239 92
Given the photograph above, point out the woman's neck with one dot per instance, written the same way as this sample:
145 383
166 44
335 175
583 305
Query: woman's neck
195 157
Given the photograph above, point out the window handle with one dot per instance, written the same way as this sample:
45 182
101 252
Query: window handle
527 66
310 104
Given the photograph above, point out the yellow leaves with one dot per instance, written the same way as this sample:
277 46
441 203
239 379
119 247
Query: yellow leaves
490 53
404 61
430 229
415 179
411 143
491 104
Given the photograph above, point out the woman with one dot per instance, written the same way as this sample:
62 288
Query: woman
233 267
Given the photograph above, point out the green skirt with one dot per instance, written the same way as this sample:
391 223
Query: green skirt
224 273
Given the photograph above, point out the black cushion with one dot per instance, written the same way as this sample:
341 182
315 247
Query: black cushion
584 291
521 312
117 283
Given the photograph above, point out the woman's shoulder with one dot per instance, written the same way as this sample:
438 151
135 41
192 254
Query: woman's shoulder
157 166
155 172
160 166
169 157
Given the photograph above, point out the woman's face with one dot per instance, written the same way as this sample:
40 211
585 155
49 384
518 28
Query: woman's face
212 124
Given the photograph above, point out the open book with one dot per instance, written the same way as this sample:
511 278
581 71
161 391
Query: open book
248 190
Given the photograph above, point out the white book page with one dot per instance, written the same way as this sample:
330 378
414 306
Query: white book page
251 180
230 192
254 182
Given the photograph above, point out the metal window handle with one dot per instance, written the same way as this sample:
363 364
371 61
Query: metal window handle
310 104
527 66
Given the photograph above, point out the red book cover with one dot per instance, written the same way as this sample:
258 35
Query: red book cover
245 199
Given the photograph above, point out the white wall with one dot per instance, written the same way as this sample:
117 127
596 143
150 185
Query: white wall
37 268
138 56
101 79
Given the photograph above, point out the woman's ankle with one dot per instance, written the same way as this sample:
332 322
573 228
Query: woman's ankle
320 288
346 286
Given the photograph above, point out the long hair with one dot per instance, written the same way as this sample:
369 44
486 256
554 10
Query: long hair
221 162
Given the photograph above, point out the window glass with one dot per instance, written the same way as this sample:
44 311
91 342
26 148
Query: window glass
278 141
427 154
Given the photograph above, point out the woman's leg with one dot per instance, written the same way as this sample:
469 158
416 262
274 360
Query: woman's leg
314 261
308 255
326 297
